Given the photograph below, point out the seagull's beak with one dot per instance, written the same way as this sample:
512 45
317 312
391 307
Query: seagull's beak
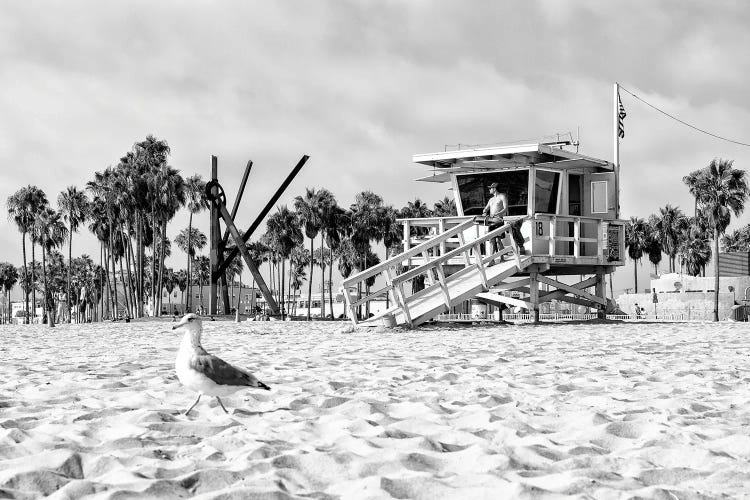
182 322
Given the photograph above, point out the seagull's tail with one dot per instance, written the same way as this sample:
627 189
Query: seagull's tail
254 382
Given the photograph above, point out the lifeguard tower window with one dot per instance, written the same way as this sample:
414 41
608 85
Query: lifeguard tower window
474 190
545 192
599 197
574 194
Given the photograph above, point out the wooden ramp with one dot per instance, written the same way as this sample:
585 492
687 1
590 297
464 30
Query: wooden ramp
438 299
442 290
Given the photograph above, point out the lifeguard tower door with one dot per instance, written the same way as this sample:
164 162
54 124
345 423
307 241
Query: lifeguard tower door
599 196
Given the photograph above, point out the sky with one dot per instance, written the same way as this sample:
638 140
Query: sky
360 87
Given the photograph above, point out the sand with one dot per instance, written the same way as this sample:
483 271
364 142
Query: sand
630 410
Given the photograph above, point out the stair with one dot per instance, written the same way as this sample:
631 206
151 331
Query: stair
432 301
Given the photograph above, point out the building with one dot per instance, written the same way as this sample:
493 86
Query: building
563 207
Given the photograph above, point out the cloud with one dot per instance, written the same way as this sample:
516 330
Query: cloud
361 87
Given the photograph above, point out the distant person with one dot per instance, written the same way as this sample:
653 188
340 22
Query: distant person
82 305
62 307
637 310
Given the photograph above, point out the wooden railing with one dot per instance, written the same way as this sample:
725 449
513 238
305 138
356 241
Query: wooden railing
435 256
607 247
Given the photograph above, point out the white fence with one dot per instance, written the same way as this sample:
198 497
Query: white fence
691 314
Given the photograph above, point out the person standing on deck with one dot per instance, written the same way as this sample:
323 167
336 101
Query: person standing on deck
495 210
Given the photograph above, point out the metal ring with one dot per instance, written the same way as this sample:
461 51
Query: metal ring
220 196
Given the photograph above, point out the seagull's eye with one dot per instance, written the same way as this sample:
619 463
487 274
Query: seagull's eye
190 319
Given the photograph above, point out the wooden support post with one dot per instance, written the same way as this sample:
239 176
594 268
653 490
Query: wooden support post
215 239
534 295
407 240
601 291
444 287
552 234
480 266
441 230
428 274
398 295
467 258
349 305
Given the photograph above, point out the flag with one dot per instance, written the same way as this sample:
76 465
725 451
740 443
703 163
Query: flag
620 117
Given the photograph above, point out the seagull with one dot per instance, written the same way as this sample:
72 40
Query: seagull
203 372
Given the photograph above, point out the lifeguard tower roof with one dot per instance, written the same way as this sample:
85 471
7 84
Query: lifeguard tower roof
473 159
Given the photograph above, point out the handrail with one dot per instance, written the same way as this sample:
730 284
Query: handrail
449 255
379 268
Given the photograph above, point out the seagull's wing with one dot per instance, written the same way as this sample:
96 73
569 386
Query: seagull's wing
221 372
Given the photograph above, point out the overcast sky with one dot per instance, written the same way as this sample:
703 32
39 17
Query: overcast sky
361 87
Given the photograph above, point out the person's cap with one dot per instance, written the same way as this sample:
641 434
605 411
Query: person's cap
493 185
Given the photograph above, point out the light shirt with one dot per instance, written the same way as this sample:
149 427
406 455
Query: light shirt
497 206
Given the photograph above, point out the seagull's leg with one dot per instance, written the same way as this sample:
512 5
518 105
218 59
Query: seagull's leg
196 402
222 405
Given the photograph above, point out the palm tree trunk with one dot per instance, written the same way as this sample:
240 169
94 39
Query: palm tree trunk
70 261
239 296
310 278
283 305
189 245
139 263
635 275
289 289
45 295
128 263
33 279
114 272
330 286
25 275
153 257
161 260
322 279
124 290
716 274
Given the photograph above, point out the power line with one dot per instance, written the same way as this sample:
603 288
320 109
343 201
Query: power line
682 121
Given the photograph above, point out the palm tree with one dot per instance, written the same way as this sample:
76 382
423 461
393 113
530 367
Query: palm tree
667 227
737 241
189 240
196 201
719 191
169 280
324 257
202 271
635 240
416 210
23 205
27 283
366 219
653 242
169 196
74 206
258 254
284 233
445 207
50 231
335 225
348 258
310 216
181 278
695 254
8 279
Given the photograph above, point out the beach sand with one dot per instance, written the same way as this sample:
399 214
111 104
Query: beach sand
628 410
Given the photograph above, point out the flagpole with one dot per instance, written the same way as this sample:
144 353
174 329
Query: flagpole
615 130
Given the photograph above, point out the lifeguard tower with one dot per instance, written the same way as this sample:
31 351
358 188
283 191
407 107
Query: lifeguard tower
566 204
